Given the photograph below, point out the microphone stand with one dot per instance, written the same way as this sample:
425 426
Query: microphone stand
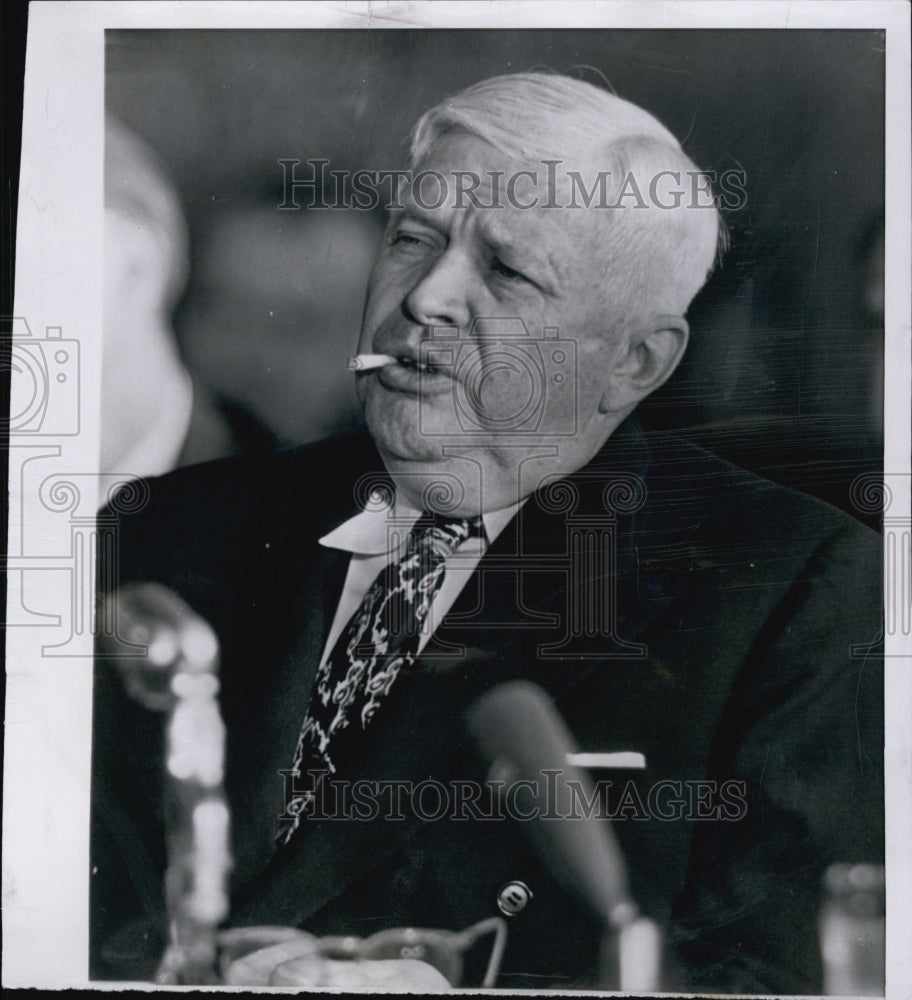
631 956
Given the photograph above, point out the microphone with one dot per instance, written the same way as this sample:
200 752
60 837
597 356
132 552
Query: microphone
528 746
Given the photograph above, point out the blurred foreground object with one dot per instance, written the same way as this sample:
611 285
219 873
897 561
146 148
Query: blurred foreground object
168 659
146 392
852 930
397 958
154 416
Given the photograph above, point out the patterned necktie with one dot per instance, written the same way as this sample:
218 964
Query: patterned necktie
382 637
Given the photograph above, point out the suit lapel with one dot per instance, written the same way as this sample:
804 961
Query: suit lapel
256 757
411 740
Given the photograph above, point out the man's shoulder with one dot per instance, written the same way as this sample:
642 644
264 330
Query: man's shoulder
211 516
308 477
697 494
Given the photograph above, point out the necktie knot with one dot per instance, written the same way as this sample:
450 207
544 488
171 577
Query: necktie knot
443 535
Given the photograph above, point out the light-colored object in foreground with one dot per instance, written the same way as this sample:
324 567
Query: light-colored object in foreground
398 958
623 758
146 391
167 657
407 974
365 362
295 960
640 956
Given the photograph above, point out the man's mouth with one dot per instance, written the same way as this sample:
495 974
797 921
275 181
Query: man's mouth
415 377
418 366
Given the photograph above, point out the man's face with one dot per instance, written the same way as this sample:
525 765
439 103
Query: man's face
500 400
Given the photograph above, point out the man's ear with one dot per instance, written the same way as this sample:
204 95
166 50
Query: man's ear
651 355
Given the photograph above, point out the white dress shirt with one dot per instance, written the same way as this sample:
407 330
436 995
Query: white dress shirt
377 537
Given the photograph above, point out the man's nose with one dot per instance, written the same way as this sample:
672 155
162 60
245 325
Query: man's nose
442 296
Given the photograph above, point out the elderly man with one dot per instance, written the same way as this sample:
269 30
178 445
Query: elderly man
506 517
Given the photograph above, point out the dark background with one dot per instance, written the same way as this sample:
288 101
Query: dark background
785 369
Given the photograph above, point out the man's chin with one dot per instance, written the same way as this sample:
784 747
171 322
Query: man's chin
404 432
403 444
403 452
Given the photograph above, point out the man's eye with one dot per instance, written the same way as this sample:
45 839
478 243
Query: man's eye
502 269
406 239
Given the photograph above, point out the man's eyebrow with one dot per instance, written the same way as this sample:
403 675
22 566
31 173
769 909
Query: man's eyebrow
410 210
522 254
541 265
422 213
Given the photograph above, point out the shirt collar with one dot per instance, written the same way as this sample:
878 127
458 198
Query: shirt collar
368 532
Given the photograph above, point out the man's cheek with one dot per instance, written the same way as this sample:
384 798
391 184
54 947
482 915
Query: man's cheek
388 284
369 325
378 306
503 393
388 408
505 397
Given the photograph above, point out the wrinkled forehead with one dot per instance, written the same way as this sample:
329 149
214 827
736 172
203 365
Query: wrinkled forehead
465 180
464 170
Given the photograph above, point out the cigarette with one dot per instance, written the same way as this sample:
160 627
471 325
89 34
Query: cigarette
365 362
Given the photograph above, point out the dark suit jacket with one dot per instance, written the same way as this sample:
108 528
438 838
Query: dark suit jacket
757 614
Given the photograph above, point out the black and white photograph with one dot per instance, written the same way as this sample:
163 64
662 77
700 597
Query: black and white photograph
459 499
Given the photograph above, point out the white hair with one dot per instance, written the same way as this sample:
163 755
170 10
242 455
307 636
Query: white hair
657 259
